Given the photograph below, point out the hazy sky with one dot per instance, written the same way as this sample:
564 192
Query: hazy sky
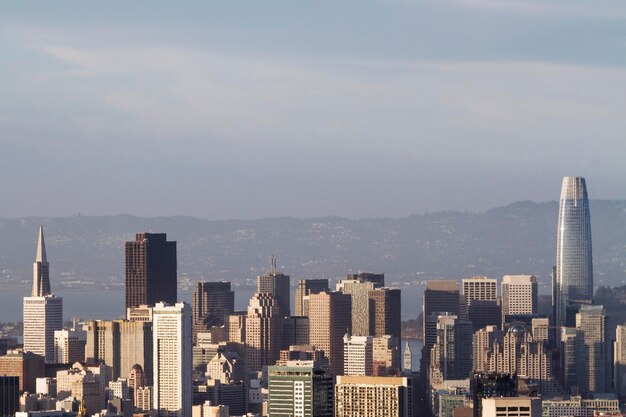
247 109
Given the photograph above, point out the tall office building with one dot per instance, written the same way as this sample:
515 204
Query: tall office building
300 389
491 385
480 302
304 289
212 303
373 396
619 361
362 313
43 312
593 357
451 357
519 295
277 285
329 320
150 270
574 269
263 331
172 393
482 342
439 296
386 308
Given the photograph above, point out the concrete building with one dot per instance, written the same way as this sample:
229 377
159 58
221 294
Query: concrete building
303 290
150 270
329 320
172 359
120 344
511 407
519 295
300 389
373 396
263 331
27 366
212 303
69 345
119 389
357 355
43 312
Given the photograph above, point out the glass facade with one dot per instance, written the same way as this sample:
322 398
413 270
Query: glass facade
574 270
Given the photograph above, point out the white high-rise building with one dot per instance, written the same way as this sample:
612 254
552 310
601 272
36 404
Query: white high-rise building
519 295
172 359
357 355
43 312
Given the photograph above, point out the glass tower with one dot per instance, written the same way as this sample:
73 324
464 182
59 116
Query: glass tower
574 270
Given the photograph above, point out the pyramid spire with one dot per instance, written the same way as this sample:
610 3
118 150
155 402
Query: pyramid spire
41 279
41 247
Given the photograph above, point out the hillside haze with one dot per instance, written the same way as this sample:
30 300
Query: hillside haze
88 252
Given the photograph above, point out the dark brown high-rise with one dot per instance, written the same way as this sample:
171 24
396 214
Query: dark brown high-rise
212 303
150 270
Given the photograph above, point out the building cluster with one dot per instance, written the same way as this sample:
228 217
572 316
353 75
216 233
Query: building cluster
522 362
168 358
487 349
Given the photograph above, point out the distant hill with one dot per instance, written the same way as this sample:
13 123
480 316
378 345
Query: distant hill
518 238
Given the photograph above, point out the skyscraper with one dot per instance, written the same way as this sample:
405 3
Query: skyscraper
329 320
480 302
276 284
150 270
439 296
574 269
592 354
212 303
263 331
172 360
306 287
43 312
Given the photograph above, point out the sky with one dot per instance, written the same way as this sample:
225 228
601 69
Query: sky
243 109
